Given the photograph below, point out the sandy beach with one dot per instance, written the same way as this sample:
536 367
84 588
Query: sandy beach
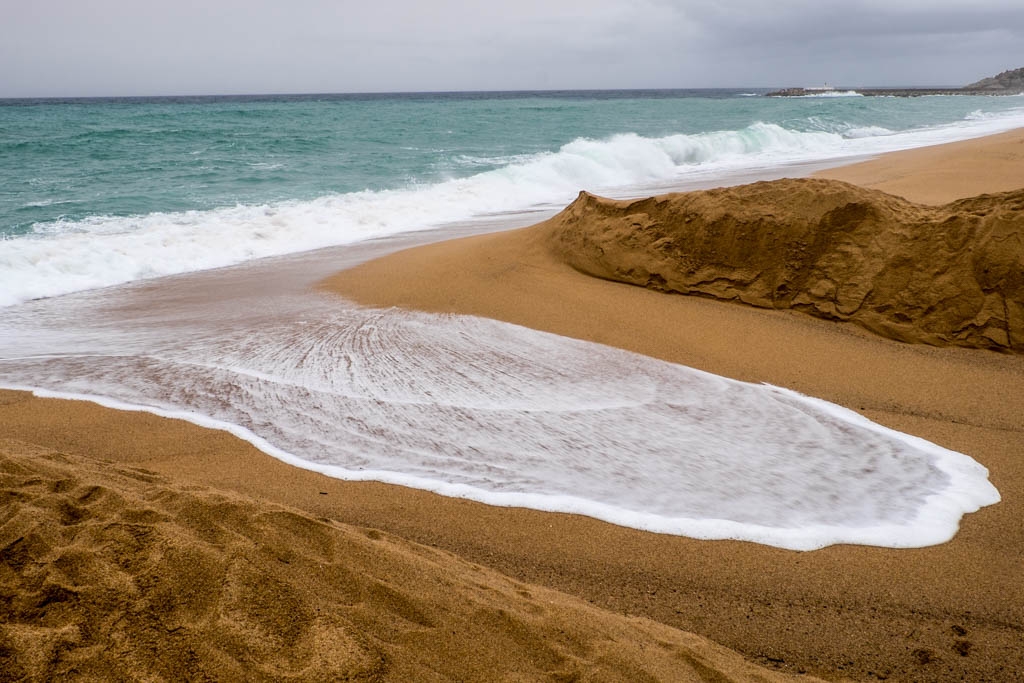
418 586
935 175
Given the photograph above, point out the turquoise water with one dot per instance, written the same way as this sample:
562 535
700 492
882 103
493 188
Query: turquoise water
138 175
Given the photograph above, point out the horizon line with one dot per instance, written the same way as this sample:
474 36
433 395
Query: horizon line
378 93
366 93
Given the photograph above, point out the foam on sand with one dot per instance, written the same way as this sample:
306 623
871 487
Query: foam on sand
505 415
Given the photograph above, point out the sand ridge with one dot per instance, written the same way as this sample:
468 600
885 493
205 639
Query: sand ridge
949 275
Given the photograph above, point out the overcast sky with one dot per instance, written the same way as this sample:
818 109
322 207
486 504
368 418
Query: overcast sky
156 47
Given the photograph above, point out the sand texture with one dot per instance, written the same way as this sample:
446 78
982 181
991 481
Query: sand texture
940 275
115 572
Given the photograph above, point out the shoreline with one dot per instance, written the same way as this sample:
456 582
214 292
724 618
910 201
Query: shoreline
842 611
965 400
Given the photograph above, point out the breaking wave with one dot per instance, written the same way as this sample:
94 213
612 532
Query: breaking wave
62 256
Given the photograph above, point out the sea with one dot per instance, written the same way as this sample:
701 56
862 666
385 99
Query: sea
158 254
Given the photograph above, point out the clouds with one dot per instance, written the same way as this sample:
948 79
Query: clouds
790 19
863 42
69 47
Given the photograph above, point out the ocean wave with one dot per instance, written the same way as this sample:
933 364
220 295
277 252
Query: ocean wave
477 161
845 128
866 131
64 256
979 115
265 166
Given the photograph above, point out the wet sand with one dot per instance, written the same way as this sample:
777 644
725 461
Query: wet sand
948 612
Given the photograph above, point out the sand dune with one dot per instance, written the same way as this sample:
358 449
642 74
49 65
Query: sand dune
949 275
112 571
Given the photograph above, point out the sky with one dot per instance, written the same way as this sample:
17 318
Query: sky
67 48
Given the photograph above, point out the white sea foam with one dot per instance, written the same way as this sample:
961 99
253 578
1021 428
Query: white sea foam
503 415
866 132
830 93
68 256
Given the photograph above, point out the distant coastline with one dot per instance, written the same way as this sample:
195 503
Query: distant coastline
890 92
1007 83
